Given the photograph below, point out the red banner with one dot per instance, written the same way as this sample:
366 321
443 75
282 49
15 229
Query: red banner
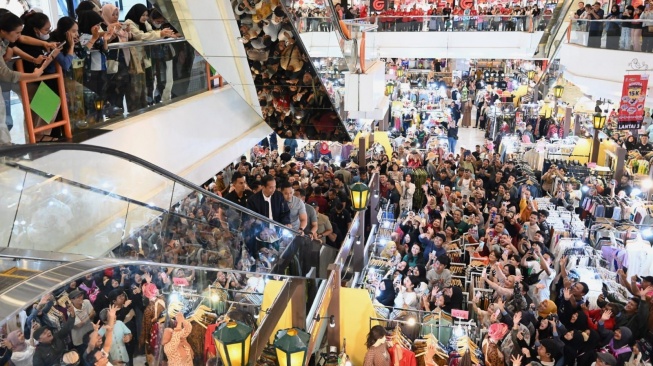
633 96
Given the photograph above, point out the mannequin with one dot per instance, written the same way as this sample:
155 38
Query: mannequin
377 348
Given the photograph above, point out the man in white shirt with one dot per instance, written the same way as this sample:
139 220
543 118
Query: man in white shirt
84 315
540 263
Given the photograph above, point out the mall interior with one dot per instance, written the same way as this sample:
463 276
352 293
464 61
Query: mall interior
324 182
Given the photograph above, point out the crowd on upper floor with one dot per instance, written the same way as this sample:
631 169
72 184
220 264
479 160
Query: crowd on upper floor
113 77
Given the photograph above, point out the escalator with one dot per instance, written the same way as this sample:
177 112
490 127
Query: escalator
96 202
261 53
265 303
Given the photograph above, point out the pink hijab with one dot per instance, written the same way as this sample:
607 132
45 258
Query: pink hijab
107 12
497 331
150 291
17 345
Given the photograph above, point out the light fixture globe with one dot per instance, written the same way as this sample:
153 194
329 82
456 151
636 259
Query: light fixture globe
359 194
558 90
291 346
599 121
232 341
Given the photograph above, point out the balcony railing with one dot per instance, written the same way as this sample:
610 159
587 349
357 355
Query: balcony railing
611 34
99 94
438 23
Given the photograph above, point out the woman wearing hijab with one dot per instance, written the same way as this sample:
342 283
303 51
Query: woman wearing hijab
386 293
136 22
491 351
618 345
21 350
95 70
117 62
578 321
546 308
613 29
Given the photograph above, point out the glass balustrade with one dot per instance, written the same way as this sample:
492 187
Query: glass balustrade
611 34
154 299
94 201
439 23
103 92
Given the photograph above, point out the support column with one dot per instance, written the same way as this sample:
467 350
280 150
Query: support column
375 193
333 333
361 151
577 125
358 261
567 123
595 147
298 301
621 162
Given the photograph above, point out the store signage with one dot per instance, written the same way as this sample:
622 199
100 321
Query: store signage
466 4
460 314
379 5
633 96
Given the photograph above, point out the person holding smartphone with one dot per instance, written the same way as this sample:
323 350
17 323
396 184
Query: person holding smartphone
10 31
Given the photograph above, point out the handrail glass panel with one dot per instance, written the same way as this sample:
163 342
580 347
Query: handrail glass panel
610 34
95 201
454 23
203 296
168 70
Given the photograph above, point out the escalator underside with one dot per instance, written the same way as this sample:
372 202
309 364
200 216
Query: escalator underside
294 101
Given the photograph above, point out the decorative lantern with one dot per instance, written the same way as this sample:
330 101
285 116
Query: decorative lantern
359 194
232 340
291 347
599 121
558 90
531 74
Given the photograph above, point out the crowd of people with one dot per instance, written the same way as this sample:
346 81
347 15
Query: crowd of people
117 315
494 18
136 76
631 28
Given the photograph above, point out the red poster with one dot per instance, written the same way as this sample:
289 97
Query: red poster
633 95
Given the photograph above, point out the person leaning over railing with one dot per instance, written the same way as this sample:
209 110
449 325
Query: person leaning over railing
613 29
10 29
37 26
647 29
93 37
141 65
624 40
636 31
118 80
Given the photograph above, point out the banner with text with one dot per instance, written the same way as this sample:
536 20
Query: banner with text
633 95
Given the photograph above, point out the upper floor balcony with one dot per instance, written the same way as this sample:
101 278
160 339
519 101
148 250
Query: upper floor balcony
478 36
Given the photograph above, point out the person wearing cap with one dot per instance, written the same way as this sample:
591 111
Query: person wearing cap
52 345
245 163
84 316
605 359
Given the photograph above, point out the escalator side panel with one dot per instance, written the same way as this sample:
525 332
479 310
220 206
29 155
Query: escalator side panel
290 94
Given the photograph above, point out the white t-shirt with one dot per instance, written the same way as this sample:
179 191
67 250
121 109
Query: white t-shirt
23 358
545 279
82 315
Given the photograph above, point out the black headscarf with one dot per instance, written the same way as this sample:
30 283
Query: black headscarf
387 296
134 14
580 323
87 20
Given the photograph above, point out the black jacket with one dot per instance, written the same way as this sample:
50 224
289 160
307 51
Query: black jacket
50 354
280 209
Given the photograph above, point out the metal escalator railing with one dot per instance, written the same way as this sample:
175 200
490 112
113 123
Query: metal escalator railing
95 201
552 33
197 293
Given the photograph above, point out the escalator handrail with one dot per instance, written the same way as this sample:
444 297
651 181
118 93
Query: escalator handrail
26 292
336 20
20 150
558 25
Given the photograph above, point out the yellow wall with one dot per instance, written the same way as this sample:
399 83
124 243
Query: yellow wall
583 147
609 145
356 309
270 293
